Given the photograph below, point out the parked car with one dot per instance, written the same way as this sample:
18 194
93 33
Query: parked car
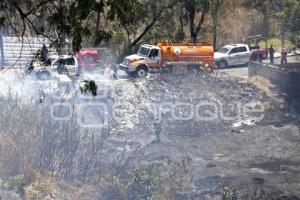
65 64
297 50
232 55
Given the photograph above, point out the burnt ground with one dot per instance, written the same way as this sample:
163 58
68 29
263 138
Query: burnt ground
237 151
241 153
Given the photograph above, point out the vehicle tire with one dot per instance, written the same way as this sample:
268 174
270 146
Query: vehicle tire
193 70
164 70
62 70
142 71
222 64
43 75
169 69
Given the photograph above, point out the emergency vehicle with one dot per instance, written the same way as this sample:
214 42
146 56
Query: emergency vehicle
231 55
169 57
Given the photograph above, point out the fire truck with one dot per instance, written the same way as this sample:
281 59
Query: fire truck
169 57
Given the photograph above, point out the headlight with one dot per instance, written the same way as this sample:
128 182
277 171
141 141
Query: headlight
128 62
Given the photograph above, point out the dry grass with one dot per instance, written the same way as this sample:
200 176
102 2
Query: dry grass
41 189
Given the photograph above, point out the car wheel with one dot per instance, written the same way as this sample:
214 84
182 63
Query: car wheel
169 69
43 75
142 72
222 64
62 70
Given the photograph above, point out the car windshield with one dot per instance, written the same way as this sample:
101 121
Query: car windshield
143 51
224 50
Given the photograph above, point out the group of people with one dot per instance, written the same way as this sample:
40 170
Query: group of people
283 55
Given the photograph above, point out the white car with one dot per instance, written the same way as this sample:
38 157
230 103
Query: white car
297 50
232 55
65 64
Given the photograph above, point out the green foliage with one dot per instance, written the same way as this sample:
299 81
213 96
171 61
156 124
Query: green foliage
127 23
17 182
229 194
2 19
276 42
292 14
294 38
59 20
193 8
145 180
127 12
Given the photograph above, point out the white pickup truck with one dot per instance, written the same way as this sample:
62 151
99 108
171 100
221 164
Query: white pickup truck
232 55
65 64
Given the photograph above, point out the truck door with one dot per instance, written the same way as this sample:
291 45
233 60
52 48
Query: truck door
234 57
244 54
153 59
70 64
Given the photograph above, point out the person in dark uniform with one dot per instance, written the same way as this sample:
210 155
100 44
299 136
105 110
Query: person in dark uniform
44 53
271 53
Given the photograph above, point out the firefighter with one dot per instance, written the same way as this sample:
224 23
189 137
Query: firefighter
115 71
61 68
157 129
283 56
44 53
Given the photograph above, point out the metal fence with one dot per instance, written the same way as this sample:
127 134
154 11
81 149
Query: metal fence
17 51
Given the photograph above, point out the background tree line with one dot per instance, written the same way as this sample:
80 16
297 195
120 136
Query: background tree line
124 24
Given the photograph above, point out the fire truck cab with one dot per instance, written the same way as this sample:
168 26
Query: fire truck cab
147 57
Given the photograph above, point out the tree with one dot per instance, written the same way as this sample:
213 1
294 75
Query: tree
139 18
292 18
193 8
215 9
292 15
270 8
60 19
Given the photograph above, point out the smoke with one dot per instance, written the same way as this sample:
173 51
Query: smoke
26 88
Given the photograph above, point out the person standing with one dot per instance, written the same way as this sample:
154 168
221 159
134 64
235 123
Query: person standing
1 48
44 53
283 56
114 68
157 129
271 54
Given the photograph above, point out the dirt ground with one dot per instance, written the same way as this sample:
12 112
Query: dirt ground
235 150
224 153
